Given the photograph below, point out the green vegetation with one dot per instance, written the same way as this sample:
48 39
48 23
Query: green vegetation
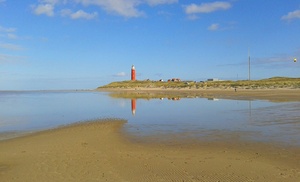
274 82
145 84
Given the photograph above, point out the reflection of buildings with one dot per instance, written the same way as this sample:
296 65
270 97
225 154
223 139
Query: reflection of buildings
174 98
133 106
214 99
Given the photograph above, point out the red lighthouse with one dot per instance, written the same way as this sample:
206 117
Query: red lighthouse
132 73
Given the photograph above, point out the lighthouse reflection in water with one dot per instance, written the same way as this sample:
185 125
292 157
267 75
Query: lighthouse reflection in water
133 106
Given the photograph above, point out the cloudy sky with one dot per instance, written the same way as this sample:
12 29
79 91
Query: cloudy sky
82 44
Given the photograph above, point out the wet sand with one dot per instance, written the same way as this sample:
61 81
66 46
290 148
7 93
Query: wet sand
101 151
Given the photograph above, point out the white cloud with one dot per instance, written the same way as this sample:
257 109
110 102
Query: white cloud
8 33
10 46
275 61
126 8
5 58
82 14
8 30
51 1
12 36
158 2
47 9
291 15
121 74
207 7
214 27
79 14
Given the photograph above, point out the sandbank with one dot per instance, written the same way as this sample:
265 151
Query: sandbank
102 151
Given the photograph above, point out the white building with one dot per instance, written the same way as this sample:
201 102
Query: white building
212 79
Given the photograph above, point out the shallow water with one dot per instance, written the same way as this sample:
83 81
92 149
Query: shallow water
211 119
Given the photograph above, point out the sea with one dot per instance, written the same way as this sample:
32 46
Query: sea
24 112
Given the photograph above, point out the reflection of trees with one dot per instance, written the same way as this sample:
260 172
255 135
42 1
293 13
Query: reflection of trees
158 95
154 95
276 96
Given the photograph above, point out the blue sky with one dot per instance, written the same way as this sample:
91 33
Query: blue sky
82 44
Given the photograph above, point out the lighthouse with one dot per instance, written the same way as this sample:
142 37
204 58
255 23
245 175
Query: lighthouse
133 73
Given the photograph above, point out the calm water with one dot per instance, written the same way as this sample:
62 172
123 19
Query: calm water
193 117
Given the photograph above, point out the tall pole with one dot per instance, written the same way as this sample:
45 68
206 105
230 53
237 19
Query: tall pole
249 78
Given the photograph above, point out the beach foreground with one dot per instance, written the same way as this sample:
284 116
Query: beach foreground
101 151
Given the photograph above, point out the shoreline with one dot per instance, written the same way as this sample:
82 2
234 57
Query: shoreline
101 151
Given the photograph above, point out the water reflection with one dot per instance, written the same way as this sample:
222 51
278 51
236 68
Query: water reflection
250 108
195 115
133 101
215 119
133 106
213 99
155 95
174 98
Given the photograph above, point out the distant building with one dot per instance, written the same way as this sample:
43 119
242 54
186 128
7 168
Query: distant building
174 80
212 79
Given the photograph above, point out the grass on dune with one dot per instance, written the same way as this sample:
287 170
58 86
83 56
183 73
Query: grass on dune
274 82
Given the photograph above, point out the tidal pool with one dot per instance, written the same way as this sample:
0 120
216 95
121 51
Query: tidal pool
209 118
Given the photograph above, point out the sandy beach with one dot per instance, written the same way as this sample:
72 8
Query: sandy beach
101 151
